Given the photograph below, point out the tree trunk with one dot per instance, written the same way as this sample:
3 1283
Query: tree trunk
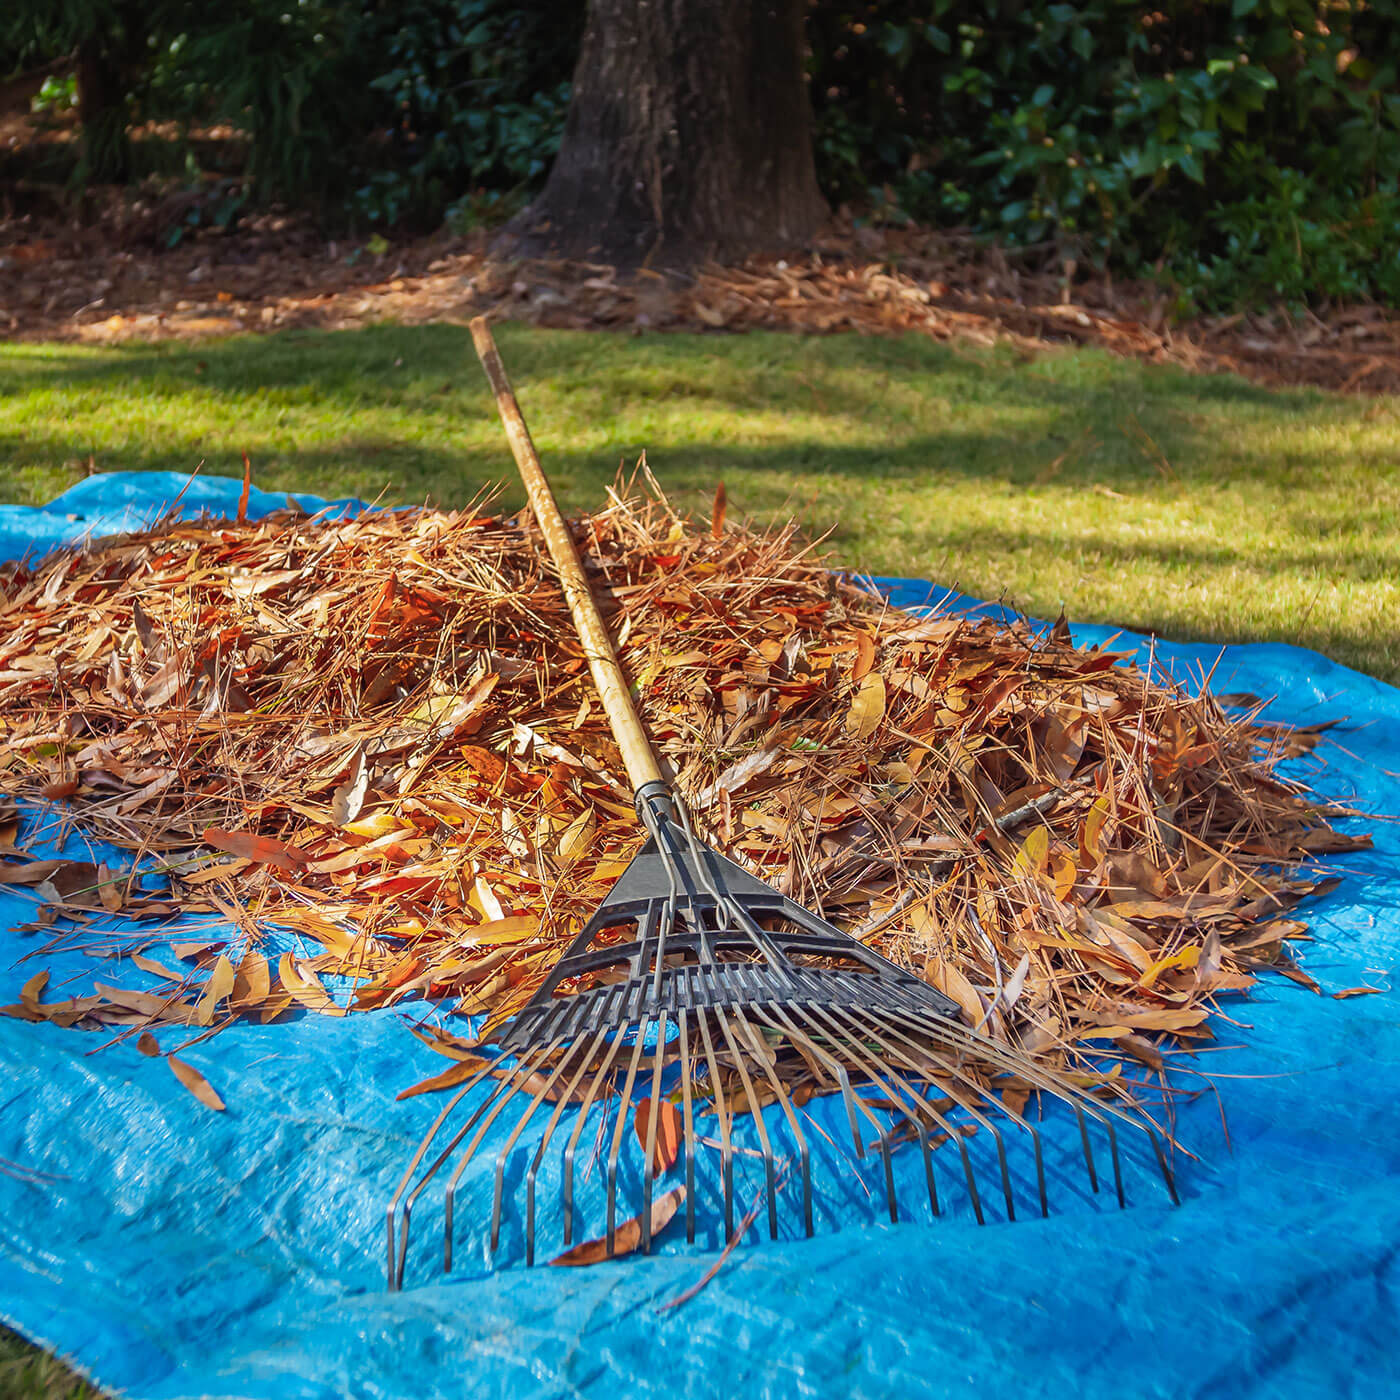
689 135
102 115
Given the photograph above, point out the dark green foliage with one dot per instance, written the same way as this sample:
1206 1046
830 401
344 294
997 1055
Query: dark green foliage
1249 147
1244 149
473 95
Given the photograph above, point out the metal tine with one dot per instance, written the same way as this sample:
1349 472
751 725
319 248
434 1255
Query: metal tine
770 1170
950 1129
1101 1111
755 1036
619 1130
502 1088
853 1103
1042 1082
519 1077
589 1057
880 1034
722 1109
649 1147
597 1082
833 1065
953 1070
396 1274
504 1154
688 1124
873 1072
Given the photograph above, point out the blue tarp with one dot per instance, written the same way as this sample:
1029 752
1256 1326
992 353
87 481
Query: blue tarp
175 1252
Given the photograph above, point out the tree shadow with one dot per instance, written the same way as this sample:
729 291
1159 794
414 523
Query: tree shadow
918 456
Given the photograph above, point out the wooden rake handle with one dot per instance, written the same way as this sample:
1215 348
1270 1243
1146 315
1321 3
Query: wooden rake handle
627 729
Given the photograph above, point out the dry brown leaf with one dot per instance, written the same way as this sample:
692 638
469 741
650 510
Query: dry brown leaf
668 1131
195 1082
867 708
263 849
305 988
449 1078
627 1236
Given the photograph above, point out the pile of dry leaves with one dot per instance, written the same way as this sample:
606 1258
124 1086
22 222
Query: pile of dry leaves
379 736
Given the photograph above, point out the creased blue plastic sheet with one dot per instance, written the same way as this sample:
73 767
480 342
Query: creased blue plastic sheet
174 1252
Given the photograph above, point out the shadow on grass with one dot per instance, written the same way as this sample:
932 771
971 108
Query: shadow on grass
1202 508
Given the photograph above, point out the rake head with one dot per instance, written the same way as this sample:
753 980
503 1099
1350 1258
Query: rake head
697 982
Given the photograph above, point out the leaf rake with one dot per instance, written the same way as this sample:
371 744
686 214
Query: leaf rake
698 981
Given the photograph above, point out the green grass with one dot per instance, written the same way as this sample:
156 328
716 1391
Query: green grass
1201 507
27 1373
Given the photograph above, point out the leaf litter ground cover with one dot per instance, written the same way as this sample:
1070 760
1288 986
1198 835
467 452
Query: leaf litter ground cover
378 735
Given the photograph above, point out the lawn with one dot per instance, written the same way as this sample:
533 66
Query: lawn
1203 508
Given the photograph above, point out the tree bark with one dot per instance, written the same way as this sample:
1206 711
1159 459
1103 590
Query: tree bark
102 115
689 135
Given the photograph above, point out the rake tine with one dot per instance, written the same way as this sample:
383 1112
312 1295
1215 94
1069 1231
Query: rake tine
618 1132
726 1144
803 1154
688 1118
852 1103
1103 1113
858 1053
1041 1083
835 1067
519 1076
880 1032
649 1173
502 1088
594 1084
396 1273
588 1058
503 1156
962 1077
756 1113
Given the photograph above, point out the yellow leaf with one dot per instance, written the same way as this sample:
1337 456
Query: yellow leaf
868 706
950 981
578 836
1034 853
219 985
514 929
378 824
1091 837
196 1083
303 986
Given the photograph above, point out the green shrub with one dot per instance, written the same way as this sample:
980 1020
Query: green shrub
1249 147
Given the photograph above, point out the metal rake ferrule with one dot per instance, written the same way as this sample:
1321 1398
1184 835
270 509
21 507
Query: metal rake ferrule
696 981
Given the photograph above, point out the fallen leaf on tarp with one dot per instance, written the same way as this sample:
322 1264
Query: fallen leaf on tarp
668 1131
195 1082
264 849
449 1078
33 989
218 986
305 987
627 1236
1358 992
147 1044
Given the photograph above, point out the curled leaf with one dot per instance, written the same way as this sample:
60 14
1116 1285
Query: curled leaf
667 1146
196 1083
627 1236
